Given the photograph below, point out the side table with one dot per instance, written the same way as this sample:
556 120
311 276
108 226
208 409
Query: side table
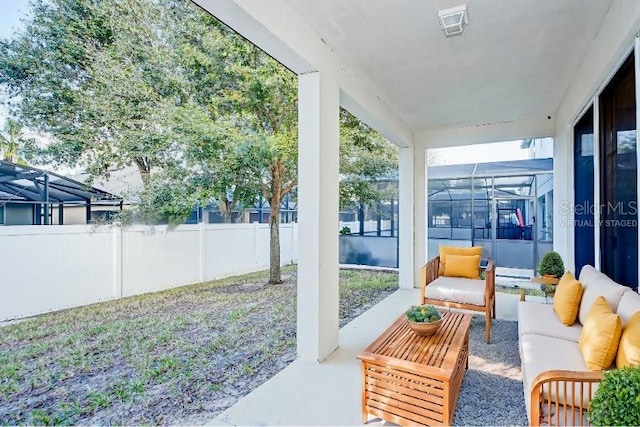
548 282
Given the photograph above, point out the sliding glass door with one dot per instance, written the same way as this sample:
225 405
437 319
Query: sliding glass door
618 178
583 192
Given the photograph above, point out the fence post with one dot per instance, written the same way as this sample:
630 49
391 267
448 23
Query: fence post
203 251
117 262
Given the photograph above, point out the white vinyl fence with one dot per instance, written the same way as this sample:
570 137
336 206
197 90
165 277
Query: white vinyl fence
369 225
45 268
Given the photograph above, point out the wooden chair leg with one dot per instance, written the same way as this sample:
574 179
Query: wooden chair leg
487 325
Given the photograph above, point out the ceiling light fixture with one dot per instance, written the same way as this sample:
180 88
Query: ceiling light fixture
453 20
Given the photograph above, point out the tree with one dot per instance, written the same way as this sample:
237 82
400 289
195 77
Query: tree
267 94
45 71
12 142
104 79
254 102
169 198
368 163
225 172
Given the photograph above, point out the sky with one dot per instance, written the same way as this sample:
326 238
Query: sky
480 153
10 13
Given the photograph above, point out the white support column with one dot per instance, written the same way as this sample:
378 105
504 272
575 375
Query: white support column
563 199
405 219
318 169
419 212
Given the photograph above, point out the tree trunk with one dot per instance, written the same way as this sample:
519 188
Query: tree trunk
225 211
145 171
275 275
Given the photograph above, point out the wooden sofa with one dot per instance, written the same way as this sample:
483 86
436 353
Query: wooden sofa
458 292
558 386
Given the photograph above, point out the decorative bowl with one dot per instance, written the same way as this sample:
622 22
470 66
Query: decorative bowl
426 329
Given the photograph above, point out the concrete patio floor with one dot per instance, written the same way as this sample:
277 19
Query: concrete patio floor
328 393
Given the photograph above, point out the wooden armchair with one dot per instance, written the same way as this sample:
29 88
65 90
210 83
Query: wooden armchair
561 398
468 294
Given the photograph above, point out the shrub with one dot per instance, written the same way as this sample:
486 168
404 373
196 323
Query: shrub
616 402
423 314
551 263
345 231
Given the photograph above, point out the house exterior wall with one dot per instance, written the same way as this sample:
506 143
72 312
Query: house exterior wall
72 215
545 212
22 214
613 43
18 214
541 148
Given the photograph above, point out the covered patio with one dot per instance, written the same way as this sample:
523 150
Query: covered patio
535 69
328 393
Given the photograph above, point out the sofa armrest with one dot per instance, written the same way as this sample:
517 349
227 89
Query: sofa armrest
428 273
571 390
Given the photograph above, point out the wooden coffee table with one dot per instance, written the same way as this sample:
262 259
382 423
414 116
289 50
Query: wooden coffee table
409 379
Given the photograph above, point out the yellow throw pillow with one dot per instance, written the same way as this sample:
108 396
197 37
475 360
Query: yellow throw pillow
566 301
463 266
629 348
445 251
600 336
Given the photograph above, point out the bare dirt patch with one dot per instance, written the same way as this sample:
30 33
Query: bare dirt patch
176 357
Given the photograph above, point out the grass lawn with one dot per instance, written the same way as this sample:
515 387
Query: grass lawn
175 357
512 290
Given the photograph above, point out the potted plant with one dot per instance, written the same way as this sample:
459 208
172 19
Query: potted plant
551 265
424 319
616 402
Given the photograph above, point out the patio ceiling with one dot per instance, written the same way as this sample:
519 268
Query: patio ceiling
514 61
513 64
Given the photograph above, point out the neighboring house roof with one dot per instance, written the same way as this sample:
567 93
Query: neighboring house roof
20 183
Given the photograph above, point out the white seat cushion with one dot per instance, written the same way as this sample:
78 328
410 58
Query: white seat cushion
597 284
540 353
629 305
536 318
457 289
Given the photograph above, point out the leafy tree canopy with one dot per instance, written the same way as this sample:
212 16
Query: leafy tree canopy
368 164
12 142
104 79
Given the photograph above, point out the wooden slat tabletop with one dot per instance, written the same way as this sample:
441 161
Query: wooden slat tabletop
439 350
